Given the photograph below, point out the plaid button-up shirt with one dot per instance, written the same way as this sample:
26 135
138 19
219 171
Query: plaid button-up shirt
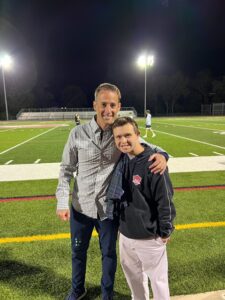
93 157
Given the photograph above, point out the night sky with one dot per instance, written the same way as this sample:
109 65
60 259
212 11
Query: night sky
84 43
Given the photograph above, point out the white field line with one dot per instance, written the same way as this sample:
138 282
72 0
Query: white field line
202 121
34 137
193 154
211 123
182 137
37 161
218 123
5 130
174 125
218 153
8 162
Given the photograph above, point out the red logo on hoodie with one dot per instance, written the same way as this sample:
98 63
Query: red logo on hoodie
137 179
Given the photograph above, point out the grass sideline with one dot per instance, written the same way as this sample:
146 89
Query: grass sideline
48 187
41 269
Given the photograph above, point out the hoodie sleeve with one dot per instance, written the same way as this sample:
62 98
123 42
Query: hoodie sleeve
162 192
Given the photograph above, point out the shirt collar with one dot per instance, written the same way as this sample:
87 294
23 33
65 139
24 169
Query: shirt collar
95 127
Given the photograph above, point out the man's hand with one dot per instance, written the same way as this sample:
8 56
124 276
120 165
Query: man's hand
63 214
159 164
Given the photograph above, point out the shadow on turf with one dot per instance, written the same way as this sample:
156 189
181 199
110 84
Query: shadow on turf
207 274
34 280
37 281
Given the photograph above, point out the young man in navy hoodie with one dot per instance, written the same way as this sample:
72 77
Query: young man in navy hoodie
146 216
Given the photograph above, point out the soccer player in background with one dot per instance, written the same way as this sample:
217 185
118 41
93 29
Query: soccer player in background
148 124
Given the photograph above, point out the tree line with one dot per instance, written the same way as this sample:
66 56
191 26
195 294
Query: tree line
178 93
166 95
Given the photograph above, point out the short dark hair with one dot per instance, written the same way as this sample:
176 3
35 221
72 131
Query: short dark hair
124 121
107 86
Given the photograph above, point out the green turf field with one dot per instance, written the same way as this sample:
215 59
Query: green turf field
181 137
30 144
41 269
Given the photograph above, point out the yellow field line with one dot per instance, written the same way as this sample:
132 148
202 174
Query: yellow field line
58 236
34 238
199 225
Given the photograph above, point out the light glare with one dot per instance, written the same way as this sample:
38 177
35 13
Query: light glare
6 61
145 60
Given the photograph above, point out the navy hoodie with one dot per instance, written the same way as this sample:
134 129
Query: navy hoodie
150 209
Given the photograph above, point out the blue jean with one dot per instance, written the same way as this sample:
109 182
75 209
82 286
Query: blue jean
81 228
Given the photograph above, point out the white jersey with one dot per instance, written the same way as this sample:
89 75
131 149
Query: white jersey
148 121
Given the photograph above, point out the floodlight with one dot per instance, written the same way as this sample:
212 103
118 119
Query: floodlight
5 64
6 61
144 61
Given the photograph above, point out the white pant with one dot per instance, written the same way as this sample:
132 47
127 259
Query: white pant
141 259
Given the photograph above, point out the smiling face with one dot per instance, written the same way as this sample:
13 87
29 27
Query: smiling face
127 140
106 105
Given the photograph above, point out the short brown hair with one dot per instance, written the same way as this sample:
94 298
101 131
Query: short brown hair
124 121
109 87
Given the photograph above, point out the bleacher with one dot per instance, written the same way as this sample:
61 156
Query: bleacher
66 114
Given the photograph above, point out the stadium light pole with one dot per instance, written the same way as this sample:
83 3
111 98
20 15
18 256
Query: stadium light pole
144 61
5 64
